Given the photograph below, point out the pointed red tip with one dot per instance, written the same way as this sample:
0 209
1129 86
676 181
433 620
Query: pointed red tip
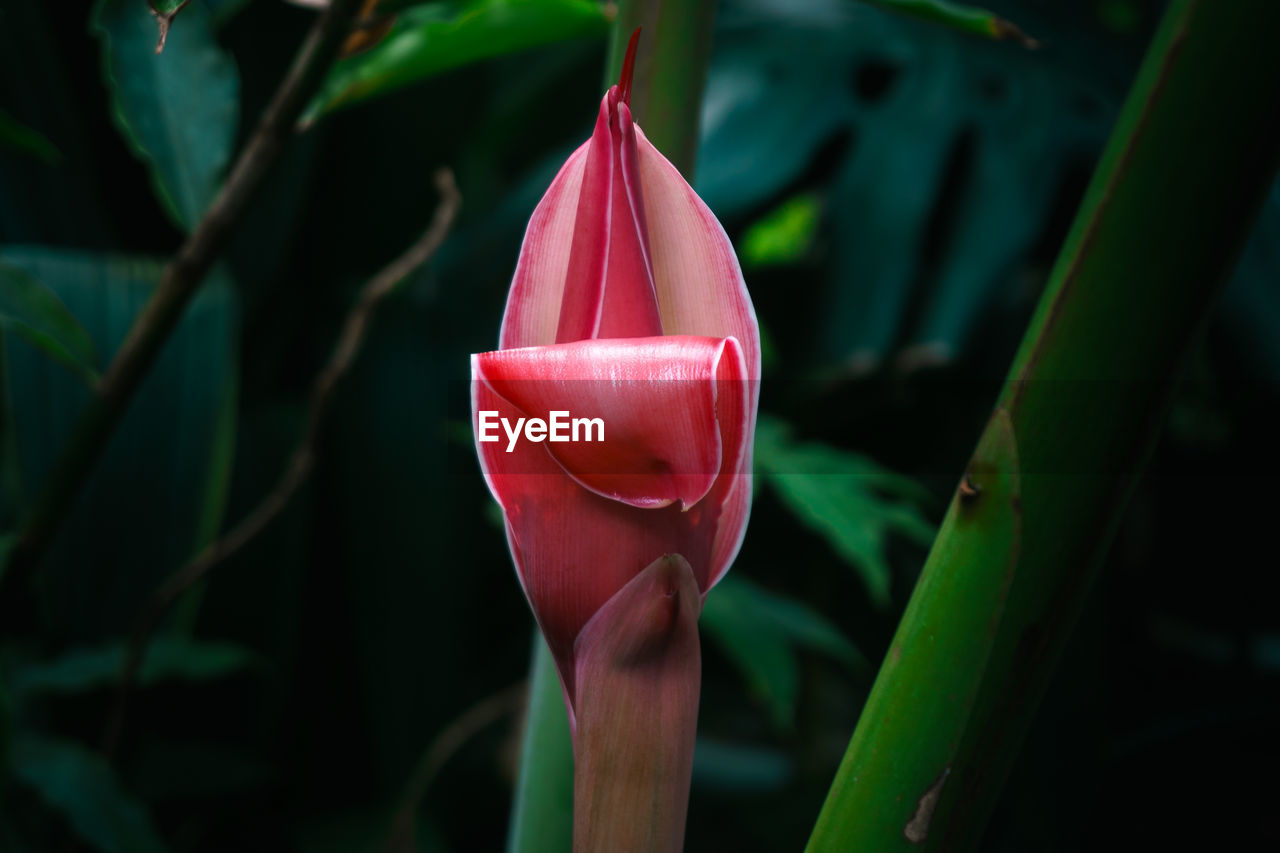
628 69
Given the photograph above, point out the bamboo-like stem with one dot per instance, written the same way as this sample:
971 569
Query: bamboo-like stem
179 281
1187 166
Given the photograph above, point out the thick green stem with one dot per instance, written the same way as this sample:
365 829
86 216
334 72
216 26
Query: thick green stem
1187 166
542 810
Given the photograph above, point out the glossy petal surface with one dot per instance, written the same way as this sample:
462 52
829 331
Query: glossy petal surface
584 518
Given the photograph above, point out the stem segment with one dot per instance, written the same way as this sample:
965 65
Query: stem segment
639 671
1187 166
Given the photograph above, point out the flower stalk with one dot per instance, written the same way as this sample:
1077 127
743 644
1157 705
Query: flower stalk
627 304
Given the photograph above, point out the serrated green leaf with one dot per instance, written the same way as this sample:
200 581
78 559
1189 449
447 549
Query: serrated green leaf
36 314
95 667
177 110
842 496
760 632
139 515
79 784
436 37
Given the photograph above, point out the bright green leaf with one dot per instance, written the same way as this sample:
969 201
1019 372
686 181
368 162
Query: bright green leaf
95 667
35 313
77 782
784 235
177 110
427 40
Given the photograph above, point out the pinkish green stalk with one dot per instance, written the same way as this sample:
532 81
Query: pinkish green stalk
637 713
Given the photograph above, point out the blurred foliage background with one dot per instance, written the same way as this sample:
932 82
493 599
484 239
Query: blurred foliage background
897 192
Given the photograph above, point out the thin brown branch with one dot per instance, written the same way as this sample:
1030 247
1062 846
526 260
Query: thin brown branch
179 281
302 461
403 835
164 20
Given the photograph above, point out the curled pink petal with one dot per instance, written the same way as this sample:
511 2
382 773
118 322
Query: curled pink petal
583 518
653 401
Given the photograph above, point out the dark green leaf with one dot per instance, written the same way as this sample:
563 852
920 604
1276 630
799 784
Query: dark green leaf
19 137
899 111
841 496
37 315
96 667
177 109
436 37
760 632
139 516
967 19
77 782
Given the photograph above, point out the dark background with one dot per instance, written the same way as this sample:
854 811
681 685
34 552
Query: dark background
897 192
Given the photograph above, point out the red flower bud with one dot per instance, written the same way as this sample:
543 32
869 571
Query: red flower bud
628 306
